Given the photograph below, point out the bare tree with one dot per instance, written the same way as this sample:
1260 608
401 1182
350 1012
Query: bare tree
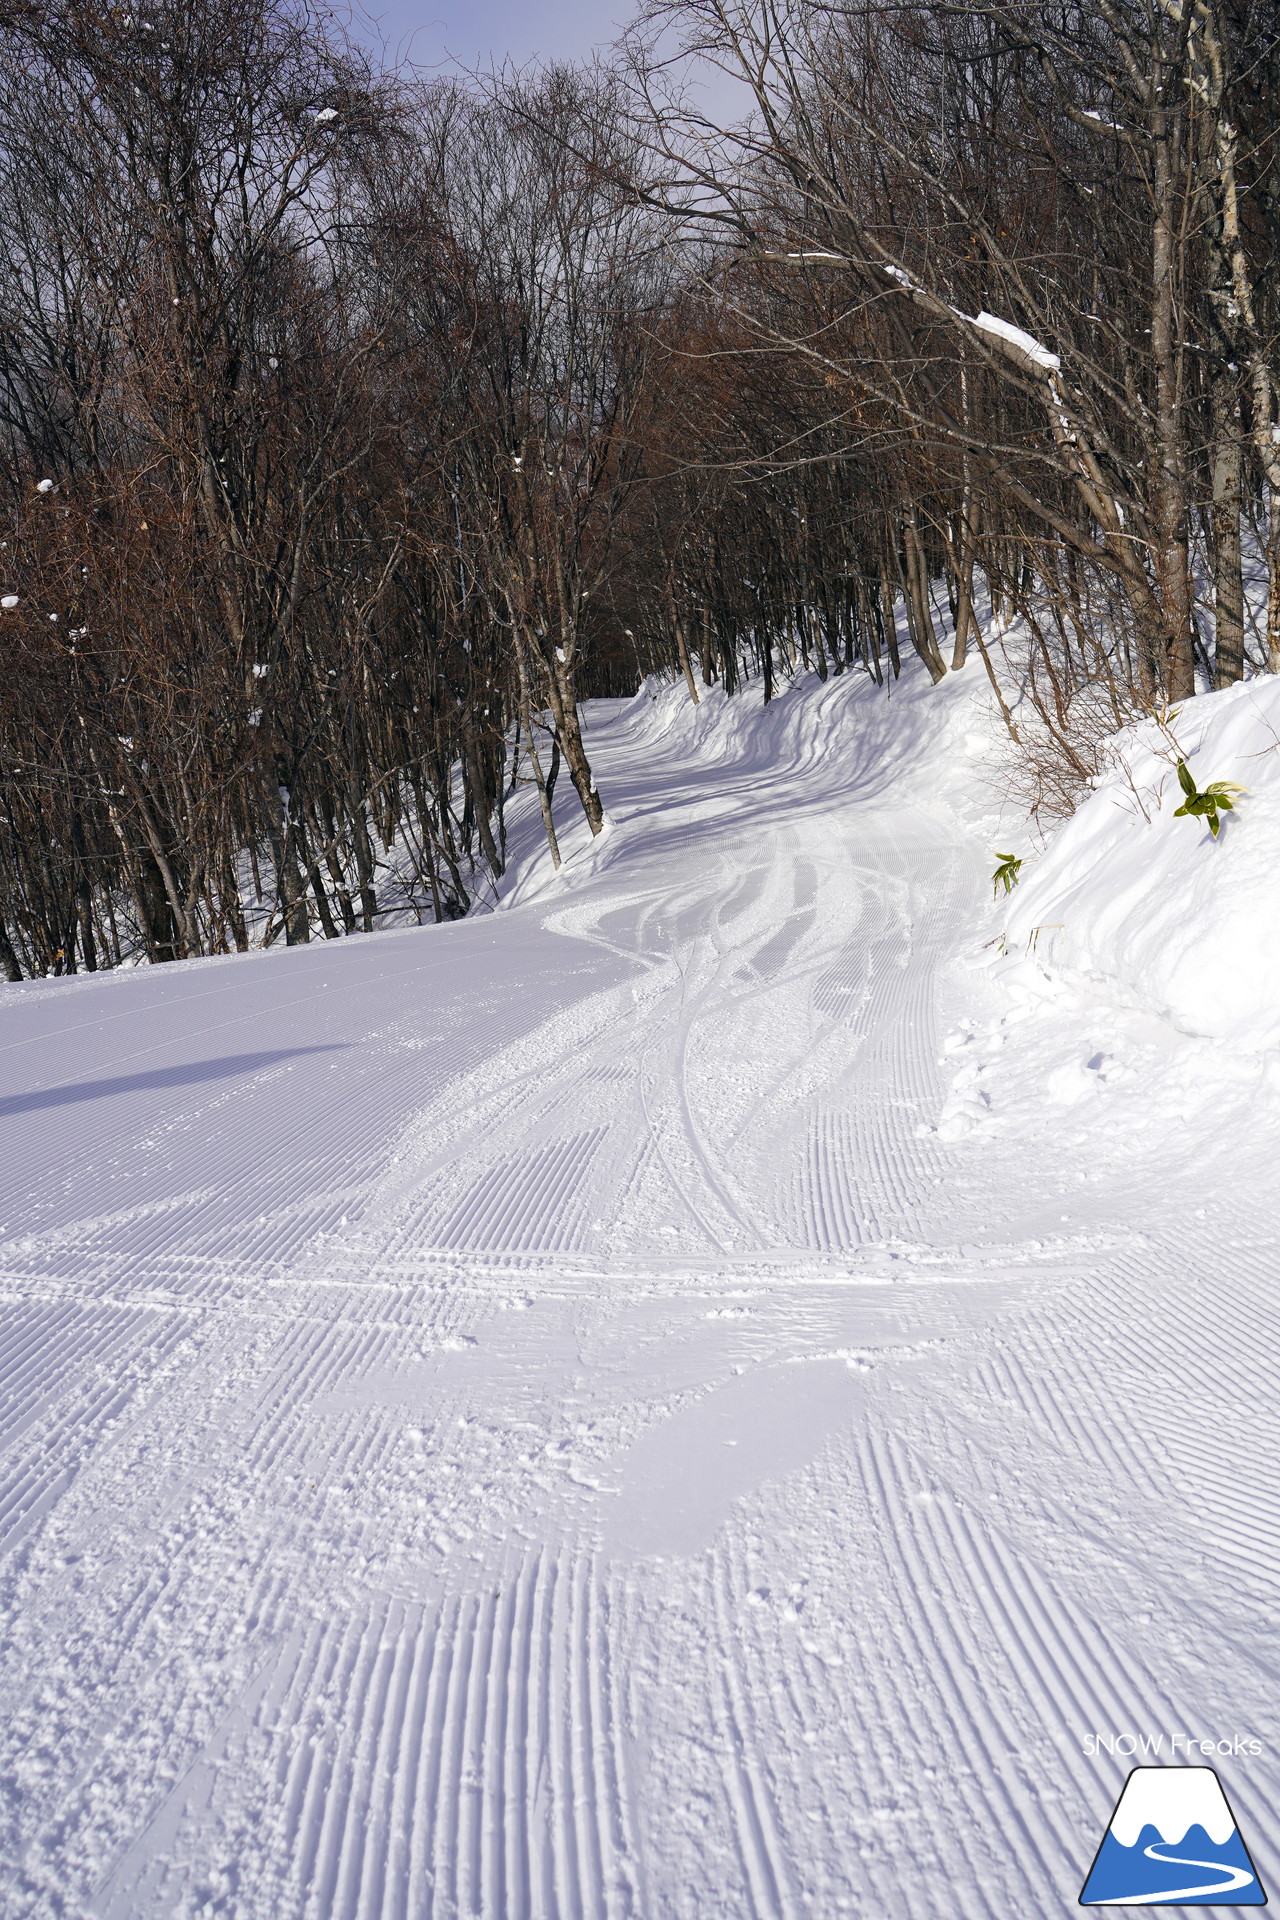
1013 205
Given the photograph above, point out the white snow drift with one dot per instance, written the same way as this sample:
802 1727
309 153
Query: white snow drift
1152 909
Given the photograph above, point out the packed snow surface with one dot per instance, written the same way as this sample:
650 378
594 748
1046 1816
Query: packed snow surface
705 1391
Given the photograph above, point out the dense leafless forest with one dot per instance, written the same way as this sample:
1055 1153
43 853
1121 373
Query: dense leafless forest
355 427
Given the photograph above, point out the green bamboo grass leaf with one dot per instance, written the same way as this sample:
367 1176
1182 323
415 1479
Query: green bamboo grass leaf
1216 798
1006 873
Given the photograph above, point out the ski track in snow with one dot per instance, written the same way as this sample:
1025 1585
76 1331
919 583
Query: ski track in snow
527 1418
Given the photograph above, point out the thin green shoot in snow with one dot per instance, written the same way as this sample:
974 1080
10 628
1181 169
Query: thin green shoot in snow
1209 803
1006 873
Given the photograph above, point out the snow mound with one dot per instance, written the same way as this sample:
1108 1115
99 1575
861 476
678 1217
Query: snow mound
1151 908
818 743
904 742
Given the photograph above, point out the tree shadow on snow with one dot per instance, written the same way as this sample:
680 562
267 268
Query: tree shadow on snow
190 1074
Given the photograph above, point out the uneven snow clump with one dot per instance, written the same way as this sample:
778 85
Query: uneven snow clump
1150 907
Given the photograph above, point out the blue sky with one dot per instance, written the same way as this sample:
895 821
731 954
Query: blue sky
474 31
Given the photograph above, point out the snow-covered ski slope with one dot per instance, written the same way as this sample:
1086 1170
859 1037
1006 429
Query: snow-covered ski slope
536 1417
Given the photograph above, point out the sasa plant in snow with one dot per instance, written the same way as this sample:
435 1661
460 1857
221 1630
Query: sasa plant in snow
1006 873
1214 799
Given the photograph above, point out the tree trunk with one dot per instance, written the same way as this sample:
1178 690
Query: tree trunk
8 958
915 587
1228 583
569 732
545 786
564 709
964 544
964 541
1273 585
364 863
480 806
290 886
84 896
1172 560
682 649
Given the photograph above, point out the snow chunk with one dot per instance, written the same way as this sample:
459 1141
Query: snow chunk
1024 346
1026 343
9 602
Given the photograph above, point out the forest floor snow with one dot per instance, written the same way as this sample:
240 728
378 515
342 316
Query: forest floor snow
655 1401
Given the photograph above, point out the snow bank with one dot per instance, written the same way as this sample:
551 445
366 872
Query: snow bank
905 743
1151 908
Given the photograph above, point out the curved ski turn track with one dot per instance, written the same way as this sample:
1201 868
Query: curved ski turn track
529 1418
